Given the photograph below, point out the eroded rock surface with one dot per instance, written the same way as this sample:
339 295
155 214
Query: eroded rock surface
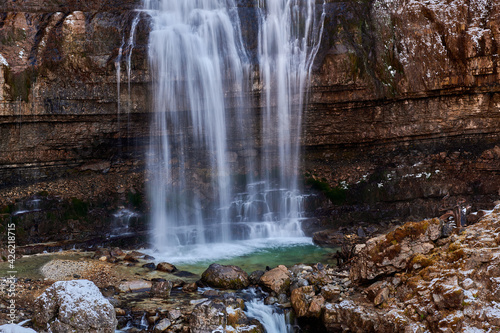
391 253
76 305
451 287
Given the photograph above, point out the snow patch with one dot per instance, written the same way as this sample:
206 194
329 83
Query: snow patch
13 328
3 61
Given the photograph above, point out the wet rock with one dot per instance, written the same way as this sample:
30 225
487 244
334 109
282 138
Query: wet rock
190 287
161 288
150 266
116 252
102 253
134 286
225 277
162 325
130 258
108 291
120 312
255 277
222 316
134 256
210 293
277 280
166 267
76 305
270 300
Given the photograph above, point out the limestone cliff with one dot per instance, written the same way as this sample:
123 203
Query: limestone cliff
404 102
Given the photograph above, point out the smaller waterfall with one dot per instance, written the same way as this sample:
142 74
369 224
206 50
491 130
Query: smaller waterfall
121 224
29 206
126 47
269 316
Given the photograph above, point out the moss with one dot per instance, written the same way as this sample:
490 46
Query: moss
20 232
12 37
7 209
390 247
453 247
75 209
20 83
135 200
422 260
455 256
336 195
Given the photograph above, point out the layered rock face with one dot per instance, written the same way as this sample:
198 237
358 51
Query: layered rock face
404 105
59 100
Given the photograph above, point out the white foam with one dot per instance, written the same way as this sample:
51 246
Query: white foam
217 251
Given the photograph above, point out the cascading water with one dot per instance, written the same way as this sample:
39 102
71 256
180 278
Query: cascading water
289 38
201 72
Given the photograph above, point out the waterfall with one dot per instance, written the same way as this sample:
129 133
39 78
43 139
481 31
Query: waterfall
202 130
271 320
289 37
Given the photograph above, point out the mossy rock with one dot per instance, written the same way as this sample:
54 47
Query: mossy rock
225 277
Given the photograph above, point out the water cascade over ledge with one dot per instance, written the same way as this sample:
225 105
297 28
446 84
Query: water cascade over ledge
203 129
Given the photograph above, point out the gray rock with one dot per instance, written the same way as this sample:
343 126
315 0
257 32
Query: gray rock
74 306
162 325
161 288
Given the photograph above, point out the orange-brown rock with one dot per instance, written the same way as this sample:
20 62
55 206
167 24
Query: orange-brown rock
277 280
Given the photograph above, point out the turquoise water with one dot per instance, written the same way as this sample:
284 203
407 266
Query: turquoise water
272 257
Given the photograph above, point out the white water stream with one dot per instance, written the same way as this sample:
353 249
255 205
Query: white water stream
202 78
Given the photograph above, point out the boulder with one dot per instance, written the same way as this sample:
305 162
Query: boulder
225 277
190 287
166 267
218 316
161 288
134 286
134 256
162 325
255 277
392 252
277 280
305 303
74 306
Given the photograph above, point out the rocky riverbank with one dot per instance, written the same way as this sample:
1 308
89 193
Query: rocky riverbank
419 277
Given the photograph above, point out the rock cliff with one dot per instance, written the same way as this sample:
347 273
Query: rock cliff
404 106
